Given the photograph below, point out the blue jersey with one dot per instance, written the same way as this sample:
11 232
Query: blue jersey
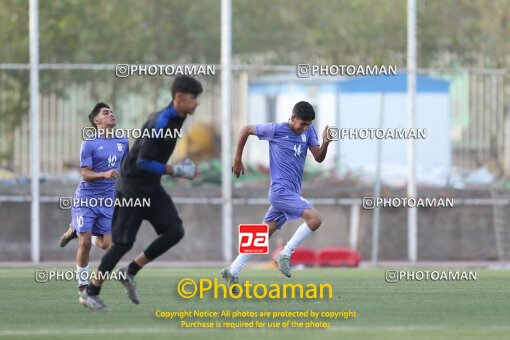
101 154
287 154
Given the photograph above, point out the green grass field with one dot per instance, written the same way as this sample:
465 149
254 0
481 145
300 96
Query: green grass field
405 310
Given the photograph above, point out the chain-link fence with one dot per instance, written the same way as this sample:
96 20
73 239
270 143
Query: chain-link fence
479 136
479 99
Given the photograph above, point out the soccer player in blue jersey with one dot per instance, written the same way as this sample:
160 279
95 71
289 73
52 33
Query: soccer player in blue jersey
140 177
100 160
288 144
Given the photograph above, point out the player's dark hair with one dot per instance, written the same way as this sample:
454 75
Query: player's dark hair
95 111
186 84
304 111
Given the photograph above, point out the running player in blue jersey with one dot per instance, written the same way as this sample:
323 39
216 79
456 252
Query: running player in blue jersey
100 160
288 144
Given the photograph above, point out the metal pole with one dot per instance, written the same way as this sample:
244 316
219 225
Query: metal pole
337 160
354 227
226 125
34 129
243 105
412 216
377 190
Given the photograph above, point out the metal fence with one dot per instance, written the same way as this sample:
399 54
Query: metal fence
480 109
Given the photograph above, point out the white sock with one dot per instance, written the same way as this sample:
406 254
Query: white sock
93 240
239 263
83 275
301 233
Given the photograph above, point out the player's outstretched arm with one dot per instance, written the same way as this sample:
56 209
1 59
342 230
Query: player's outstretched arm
319 152
238 167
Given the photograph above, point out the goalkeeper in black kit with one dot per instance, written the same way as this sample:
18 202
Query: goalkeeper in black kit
140 178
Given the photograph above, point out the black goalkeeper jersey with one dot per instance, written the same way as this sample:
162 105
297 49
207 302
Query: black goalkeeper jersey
154 147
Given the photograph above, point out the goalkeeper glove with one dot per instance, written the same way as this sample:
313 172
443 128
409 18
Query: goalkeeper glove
184 169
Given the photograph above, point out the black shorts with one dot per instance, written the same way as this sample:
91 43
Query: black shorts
161 213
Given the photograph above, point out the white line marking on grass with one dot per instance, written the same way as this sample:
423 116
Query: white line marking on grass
413 328
386 328
127 331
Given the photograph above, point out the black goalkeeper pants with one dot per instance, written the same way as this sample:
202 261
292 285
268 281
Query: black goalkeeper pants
161 213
